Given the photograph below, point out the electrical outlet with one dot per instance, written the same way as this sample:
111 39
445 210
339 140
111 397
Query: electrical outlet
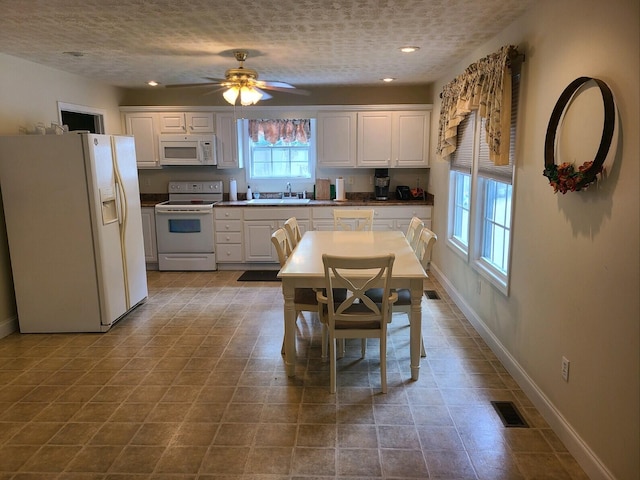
350 180
371 180
565 369
147 182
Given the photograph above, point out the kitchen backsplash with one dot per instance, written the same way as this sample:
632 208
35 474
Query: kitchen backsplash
357 181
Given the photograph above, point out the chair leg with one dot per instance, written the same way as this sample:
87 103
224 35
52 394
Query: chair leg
383 363
363 347
325 341
332 364
341 347
423 352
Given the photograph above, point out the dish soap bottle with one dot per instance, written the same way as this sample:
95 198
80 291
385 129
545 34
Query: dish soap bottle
249 195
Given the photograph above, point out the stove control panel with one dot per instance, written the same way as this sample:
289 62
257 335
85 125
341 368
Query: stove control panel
214 186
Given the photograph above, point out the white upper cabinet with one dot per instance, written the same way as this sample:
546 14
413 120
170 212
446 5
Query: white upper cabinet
410 131
186 122
337 139
144 128
374 139
393 139
227 141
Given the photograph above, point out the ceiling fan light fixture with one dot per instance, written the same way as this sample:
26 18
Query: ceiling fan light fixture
231 95
249 96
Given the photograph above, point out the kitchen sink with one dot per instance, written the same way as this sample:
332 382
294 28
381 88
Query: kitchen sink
278 201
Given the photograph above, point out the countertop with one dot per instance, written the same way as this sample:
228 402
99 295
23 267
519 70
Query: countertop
151 199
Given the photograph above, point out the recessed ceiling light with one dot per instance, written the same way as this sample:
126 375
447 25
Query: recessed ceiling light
409 49
152 83
388 79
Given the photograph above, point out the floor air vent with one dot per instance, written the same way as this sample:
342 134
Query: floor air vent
432 295
509 414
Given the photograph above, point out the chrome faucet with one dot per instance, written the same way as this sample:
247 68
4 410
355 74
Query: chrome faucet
289 189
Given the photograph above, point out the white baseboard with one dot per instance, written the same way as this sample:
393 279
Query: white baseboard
587 459
8 326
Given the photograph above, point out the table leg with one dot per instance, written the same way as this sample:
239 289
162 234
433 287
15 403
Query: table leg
416 326
288 290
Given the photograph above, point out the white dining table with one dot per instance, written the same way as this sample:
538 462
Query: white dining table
304 269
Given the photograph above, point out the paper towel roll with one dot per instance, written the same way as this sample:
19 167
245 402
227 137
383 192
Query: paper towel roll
233 190
340 193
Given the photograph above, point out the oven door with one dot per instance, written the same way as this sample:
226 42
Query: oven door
184 231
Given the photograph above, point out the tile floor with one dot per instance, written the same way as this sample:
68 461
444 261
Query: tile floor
191 386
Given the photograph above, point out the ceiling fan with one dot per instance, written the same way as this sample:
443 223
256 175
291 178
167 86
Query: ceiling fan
242 83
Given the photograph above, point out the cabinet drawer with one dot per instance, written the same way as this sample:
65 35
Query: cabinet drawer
227 213
229 253
228 226
228 237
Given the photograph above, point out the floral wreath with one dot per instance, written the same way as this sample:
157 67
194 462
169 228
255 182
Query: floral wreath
564 177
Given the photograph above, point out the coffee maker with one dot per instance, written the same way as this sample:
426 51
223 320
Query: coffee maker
381 183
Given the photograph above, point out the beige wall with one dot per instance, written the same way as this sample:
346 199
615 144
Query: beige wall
575 285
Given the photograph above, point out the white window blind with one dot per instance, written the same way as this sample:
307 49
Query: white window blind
462 157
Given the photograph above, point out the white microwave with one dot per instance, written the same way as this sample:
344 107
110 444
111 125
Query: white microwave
188 149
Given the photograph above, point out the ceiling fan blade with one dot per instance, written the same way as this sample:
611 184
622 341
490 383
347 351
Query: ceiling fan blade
202 84
215 90
294 90
265 95
271 83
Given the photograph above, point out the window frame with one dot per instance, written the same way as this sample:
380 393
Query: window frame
276 183
481 176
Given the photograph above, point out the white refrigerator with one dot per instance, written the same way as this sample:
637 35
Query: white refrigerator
74 228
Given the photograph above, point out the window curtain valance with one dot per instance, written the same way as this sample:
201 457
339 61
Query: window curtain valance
484 86
280 130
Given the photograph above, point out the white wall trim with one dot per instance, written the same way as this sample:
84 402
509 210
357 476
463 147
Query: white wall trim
8 326
587 459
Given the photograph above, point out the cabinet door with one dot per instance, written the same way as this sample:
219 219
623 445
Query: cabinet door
199 122
149 234
411 139
374 139
143 126
227 141
257 242
337 139
172 122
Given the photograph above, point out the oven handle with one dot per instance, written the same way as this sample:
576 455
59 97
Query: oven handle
183 212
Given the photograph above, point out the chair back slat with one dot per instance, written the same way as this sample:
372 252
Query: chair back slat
280 241
345 219
293 231
413 232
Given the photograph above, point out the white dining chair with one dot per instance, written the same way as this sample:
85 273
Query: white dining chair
349 219
304 298
293 231
413 231
357 316
424 247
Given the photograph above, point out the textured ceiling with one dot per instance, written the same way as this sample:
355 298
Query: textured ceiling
302 42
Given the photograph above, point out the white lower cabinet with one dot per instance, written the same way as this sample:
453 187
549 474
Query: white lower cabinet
260 223
149 235
228 232
243 234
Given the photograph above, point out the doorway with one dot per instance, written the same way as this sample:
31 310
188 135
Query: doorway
80 117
